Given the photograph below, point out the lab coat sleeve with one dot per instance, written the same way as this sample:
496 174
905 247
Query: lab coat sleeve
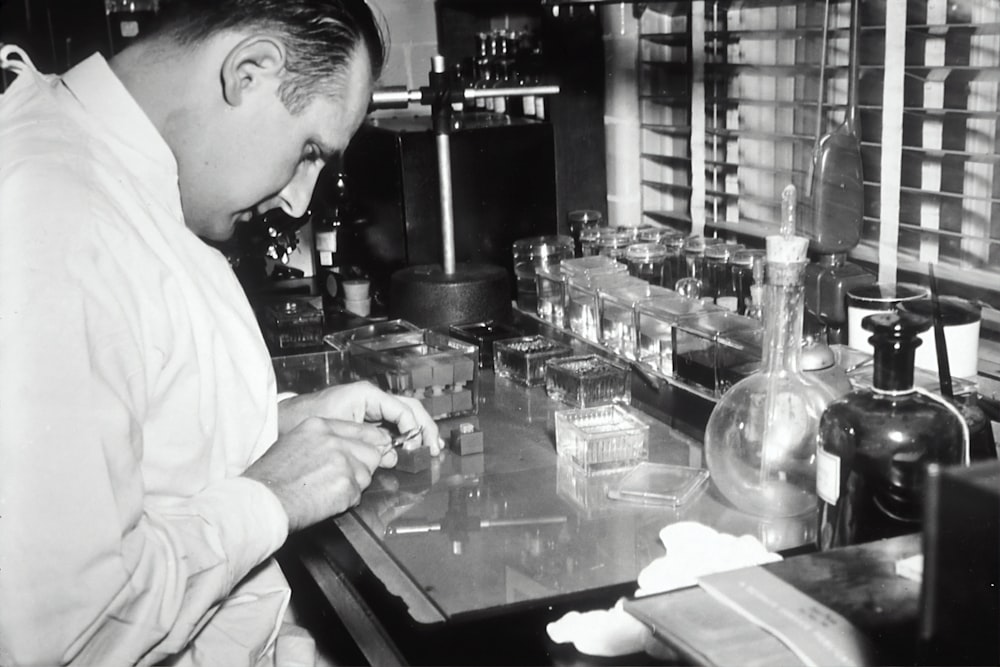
92 569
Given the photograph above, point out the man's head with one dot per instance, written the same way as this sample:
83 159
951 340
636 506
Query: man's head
253 97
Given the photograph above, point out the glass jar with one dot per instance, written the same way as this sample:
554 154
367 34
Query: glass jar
583 219
646 261
691 283
875 443
760 441
613 243
673 266
588 241
531 254
742 275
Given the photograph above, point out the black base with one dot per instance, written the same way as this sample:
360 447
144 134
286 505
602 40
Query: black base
428 297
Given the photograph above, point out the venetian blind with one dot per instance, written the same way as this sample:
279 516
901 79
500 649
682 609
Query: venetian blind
728 110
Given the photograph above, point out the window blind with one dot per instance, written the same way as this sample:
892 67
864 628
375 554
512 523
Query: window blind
729 97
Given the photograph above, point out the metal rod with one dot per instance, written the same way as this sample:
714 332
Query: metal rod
447 209
513 91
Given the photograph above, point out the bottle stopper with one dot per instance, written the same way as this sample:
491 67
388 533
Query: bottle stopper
786 247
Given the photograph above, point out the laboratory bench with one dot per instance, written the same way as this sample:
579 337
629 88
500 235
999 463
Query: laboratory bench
467 561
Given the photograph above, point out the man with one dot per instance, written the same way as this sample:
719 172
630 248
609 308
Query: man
147 470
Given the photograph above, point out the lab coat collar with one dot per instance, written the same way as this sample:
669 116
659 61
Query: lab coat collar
103 95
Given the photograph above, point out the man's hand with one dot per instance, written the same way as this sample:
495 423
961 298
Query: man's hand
359 402
320 467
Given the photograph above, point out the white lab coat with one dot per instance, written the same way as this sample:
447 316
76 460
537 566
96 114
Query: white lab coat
135 388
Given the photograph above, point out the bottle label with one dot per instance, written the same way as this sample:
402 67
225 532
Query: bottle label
827 476
326 241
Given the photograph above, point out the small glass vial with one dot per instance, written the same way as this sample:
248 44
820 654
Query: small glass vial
588 241
646 261
673 266
715 275
875 443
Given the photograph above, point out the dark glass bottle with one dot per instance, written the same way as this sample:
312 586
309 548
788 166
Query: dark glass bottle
875 444
327 219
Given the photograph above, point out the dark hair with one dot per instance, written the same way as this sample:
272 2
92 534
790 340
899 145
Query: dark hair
320 36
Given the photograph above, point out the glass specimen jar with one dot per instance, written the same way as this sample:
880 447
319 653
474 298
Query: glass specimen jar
760 441
875 443
646 261
534 253
580 220
550 294
613 242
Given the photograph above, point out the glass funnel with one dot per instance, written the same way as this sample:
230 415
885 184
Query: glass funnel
760 442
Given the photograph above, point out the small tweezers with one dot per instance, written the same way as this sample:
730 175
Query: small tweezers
405 437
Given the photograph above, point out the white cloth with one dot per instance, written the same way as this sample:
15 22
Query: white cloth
692 550
134 389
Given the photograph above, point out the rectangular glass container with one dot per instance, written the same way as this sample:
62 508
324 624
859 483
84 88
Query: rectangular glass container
440 371
655 321
292 324
582 305
523 359
550 295
618 315
483 335
587 380
717 349
601 439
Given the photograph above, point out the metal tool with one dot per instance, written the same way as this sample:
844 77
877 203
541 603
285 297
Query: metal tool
405 437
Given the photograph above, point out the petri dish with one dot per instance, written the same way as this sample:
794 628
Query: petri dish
660 484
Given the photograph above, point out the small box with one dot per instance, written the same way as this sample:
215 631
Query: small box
601 439
483 335
660 484
587 380
292 324
523 359
717 349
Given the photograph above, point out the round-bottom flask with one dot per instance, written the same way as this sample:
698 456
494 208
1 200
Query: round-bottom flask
760 442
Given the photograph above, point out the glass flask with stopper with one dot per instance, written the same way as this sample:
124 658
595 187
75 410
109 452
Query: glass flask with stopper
875 443
760 441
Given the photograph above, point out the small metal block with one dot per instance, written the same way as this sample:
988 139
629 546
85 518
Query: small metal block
438 406
464 442
413 460
461 401
464 370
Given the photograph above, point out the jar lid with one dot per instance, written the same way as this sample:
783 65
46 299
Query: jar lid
884 295
585 217
719 252
645 252
694 244
550 244
747 257
954 311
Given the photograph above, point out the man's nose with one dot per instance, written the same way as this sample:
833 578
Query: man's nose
295 196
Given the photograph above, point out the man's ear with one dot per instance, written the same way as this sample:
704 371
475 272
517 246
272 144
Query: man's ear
254 63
